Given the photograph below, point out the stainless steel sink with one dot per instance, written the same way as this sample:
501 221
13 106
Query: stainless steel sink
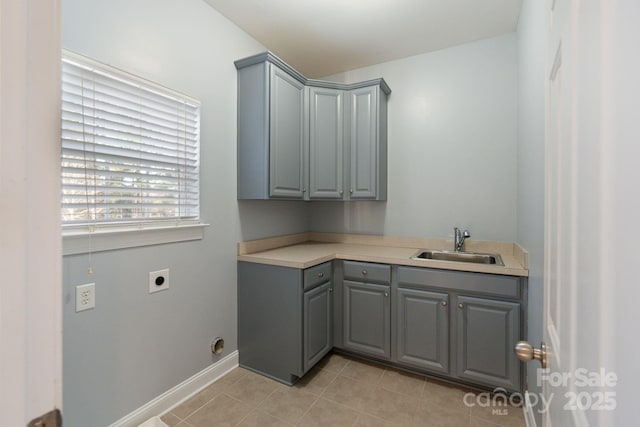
473 257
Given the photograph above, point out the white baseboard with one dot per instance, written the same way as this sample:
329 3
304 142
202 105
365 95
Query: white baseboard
529 418
178 394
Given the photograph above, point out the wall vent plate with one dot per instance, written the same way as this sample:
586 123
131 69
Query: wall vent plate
158 280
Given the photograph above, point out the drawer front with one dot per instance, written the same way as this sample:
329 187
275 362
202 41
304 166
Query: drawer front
316 275
367 272
489 284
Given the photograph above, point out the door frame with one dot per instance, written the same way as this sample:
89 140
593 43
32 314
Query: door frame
31 249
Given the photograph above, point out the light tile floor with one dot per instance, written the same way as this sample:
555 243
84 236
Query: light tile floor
339 391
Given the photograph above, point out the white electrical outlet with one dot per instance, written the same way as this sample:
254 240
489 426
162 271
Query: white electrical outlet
158 280
85 297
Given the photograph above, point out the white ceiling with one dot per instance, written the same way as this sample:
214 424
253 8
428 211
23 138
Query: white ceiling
324 37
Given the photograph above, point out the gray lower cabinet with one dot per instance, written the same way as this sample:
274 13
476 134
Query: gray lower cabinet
284 318
422 329
367 313
366 308
318 324
487 331
459 324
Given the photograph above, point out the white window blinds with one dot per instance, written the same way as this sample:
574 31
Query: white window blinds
130 148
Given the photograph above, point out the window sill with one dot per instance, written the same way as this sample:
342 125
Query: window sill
80 241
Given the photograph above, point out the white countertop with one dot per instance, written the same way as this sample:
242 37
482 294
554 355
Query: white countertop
308 249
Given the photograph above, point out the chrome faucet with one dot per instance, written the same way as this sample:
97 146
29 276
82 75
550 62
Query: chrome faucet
459 238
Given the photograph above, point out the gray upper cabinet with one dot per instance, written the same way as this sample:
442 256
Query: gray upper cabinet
368 144
347 150
271 137
309 139
286 135
326 143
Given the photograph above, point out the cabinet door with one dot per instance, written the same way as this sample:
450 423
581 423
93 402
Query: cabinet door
286 135
364 143
422 329
318 335
487 331
367 323
325 143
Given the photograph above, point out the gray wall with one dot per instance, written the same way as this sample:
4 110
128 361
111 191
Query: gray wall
531 122
452 146
134 346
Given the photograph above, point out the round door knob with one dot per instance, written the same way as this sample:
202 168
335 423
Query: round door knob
444 303
386 294
364 272
321 274
351 190
341 192
461 305
525 352
330 289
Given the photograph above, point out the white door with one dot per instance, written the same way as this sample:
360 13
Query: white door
588 139
30 246
560 212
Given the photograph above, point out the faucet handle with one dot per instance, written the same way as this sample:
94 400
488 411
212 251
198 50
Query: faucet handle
458 238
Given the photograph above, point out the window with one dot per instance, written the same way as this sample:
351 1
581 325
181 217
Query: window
130 149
